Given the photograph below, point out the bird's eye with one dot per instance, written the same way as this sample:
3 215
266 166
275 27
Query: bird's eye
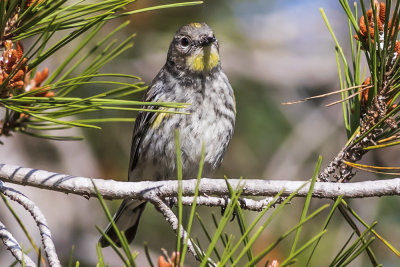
184 41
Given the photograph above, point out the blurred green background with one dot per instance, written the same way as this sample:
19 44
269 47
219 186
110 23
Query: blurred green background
272 52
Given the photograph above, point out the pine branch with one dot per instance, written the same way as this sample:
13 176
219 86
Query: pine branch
371 116
30 96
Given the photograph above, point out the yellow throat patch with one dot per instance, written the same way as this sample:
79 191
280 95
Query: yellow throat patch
205 60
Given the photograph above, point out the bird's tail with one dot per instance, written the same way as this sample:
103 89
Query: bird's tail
127 220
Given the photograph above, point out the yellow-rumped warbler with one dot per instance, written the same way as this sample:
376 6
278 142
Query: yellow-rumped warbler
192 74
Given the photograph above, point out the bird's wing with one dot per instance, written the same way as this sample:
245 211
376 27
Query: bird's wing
143 122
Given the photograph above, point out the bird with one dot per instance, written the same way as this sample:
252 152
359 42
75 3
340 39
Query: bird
192 74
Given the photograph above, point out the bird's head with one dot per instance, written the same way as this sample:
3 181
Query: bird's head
194 48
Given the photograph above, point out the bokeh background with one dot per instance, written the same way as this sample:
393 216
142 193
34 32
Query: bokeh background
272 52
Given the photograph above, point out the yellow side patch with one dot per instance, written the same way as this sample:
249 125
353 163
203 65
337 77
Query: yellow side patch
160 117
195 25
203 62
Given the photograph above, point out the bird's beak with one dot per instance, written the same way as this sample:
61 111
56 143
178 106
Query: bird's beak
207 40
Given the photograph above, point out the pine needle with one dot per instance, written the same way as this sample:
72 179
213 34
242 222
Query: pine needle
328 94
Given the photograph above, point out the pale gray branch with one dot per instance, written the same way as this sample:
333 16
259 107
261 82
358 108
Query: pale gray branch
210 201
12 245
174 223
111 189
212 193
171 219
40 220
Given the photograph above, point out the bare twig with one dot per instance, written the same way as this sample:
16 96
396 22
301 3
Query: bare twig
117 190
245 203
40 220
13 246
171 219
174 223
